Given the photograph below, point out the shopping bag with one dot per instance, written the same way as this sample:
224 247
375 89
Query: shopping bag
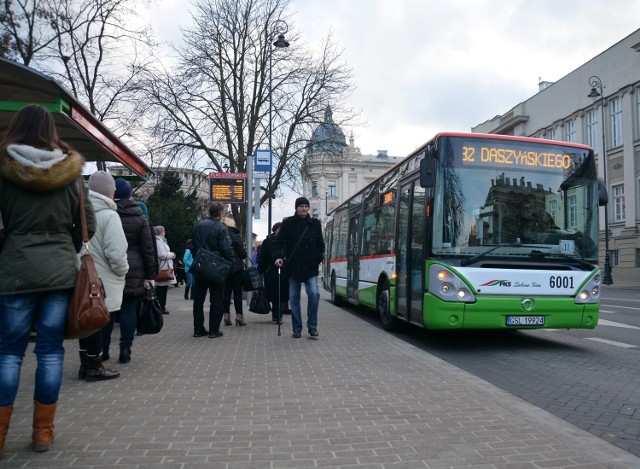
259 303
150 319
251 279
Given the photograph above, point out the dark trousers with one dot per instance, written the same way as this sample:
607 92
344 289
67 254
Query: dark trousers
161 294
216 298
92 344
233 286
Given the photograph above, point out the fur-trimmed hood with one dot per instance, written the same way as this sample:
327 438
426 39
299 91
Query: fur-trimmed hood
40 170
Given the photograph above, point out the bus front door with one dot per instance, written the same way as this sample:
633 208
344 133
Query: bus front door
410 261
353 253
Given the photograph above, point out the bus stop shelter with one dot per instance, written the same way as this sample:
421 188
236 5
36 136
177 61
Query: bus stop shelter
21 85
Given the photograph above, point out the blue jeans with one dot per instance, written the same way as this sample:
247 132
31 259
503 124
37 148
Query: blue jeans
128 321
17 314
313 298
189 282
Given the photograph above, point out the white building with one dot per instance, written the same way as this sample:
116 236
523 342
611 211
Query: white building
333 171
571 110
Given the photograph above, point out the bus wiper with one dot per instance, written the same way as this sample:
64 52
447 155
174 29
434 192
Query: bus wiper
580 261
477 257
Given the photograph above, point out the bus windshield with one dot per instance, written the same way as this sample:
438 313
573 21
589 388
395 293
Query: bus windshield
524 196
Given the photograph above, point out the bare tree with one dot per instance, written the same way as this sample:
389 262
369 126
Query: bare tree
87 45
25 29
214 104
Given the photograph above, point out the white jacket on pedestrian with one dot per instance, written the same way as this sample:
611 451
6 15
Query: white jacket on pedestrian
108 248
165 259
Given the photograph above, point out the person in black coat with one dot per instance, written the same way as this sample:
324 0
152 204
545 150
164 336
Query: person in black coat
141 256
212 235
300 248
234 280
273 278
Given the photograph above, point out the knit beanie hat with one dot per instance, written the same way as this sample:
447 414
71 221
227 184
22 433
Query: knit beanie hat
102 183
143 207
123 189
302 201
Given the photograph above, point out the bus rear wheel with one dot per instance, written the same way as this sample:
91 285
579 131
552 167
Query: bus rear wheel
384 307
335 299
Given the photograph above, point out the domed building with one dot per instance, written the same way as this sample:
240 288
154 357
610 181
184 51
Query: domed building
333 171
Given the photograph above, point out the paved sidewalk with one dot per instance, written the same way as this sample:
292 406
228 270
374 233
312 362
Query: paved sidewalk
357 397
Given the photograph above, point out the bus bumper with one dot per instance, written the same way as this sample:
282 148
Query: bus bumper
492 313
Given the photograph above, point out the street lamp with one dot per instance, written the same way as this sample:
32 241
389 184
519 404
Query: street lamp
280 28
597 91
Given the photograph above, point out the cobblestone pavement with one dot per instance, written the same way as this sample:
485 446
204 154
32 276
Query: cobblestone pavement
357 397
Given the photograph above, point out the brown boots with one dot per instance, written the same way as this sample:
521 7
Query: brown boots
43 415
5 418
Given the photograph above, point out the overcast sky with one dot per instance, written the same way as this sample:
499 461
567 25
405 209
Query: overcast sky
422 66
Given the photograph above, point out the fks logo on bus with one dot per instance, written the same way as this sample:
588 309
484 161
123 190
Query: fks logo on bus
497 283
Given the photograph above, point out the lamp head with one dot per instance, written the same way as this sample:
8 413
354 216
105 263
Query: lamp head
594 93
281 42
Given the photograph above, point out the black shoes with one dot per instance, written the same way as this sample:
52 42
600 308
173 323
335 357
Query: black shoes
125 354
313 333
213 334
296 334
286 311
201 333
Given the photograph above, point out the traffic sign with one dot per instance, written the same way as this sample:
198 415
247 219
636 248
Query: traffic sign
262 161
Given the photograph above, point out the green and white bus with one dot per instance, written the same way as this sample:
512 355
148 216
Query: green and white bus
441 241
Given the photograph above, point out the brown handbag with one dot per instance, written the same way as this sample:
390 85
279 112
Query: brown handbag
87 311
165 274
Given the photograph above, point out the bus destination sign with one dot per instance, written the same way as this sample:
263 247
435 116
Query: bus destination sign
227 187
505 155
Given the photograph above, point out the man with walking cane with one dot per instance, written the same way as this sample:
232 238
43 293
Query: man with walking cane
299 247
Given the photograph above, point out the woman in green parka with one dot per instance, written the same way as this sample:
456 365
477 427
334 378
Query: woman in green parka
40 180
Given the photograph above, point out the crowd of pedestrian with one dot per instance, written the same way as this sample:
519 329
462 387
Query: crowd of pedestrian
40 240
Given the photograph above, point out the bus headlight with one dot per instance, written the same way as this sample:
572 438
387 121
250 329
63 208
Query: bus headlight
590 291
447 286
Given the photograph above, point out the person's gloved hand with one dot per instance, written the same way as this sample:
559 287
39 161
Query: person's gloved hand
149 284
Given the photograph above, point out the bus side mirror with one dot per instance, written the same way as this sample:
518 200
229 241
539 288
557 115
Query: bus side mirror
603 196
428 172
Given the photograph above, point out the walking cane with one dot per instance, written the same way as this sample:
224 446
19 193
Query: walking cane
279 304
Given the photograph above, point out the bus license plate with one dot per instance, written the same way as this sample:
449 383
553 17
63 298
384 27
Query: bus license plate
525 320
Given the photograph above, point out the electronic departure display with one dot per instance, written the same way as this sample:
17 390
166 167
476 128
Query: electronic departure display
503 154
227 187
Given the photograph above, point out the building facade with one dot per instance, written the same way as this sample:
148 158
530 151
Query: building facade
597 104
333 171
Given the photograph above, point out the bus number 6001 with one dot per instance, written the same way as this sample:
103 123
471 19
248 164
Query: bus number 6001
561 281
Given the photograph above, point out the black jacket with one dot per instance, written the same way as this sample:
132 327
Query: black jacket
267 268
213 235
141 253
240 253
309 253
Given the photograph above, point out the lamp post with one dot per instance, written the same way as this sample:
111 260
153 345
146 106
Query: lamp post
280 28
597 91
326 206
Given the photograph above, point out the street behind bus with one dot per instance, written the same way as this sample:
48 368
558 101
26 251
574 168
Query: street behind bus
590 378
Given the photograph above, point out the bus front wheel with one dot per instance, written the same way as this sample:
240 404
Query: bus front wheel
384 307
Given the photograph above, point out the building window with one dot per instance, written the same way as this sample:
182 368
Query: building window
315 213
615 260
637 257
573 211
553 209
550 134
618 202
314 188
592 125
570 131
331 186
616 123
